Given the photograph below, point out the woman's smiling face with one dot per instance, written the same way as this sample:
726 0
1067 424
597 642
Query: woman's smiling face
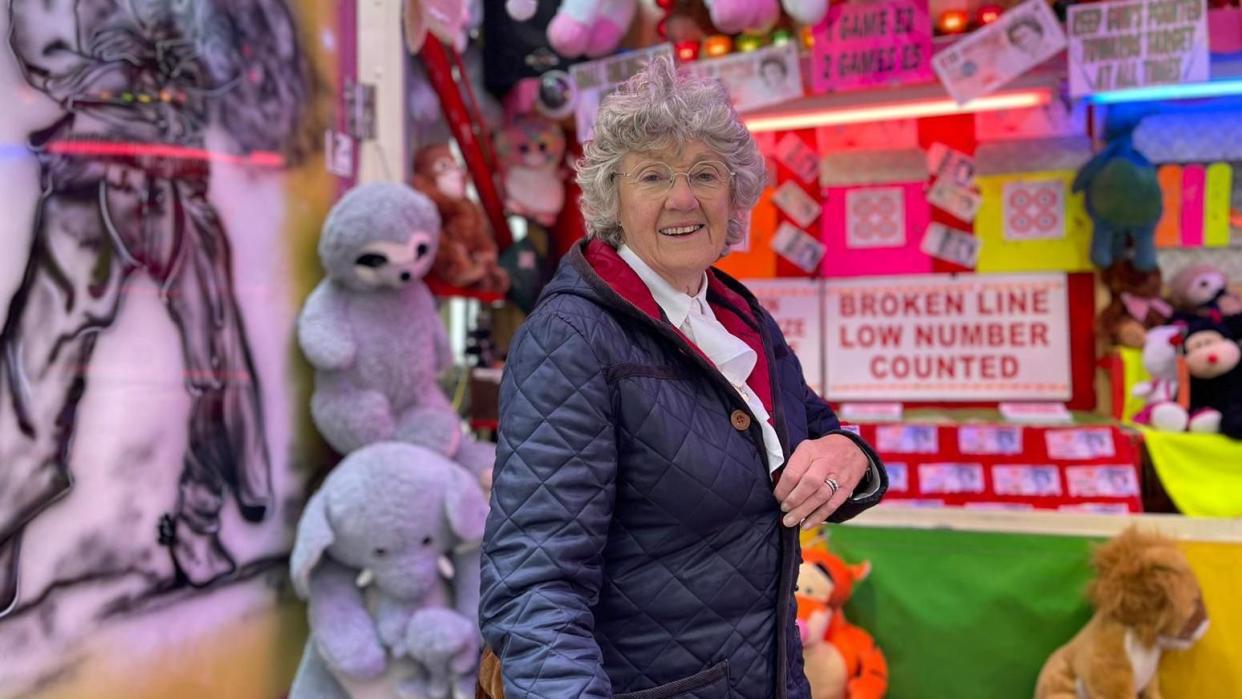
678 232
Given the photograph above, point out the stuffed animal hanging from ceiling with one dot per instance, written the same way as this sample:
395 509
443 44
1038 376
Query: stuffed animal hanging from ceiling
759 16
737 16
592 28
1125 202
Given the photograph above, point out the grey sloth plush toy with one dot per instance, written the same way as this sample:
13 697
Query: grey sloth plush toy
372 333
387 555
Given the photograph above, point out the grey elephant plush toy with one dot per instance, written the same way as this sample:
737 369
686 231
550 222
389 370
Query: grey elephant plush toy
371 330
387 556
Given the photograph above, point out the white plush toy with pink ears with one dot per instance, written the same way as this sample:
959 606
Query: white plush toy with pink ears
592 28
1160 352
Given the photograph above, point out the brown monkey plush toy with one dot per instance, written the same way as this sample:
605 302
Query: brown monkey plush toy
467 255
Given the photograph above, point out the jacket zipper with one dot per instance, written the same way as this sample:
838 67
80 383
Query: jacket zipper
756 434
786 534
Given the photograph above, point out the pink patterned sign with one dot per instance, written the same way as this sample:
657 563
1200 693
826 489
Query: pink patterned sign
867 43
843 257
875 218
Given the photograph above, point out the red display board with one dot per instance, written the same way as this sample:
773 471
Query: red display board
1004 466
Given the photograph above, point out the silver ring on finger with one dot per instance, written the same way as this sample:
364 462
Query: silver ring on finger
832 484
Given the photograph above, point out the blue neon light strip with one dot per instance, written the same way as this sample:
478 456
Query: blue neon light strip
1220 88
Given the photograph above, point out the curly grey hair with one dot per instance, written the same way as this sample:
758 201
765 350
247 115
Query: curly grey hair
660 108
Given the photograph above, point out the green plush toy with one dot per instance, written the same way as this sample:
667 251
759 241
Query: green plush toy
1125 202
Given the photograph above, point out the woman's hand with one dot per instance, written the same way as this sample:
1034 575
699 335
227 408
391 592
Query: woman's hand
804 492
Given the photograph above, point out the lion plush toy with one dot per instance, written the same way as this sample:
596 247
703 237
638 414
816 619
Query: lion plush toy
841 660
1147 601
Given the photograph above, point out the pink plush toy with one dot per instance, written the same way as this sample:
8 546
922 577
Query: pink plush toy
589 27
1203 289
532 154
736 16
447 20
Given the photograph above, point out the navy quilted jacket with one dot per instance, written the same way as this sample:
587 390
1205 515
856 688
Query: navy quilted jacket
634 548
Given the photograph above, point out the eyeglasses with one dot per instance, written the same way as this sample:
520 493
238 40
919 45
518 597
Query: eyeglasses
706 178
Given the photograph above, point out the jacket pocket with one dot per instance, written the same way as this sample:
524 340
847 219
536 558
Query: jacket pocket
712 683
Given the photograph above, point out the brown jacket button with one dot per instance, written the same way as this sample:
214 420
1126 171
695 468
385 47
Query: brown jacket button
740 420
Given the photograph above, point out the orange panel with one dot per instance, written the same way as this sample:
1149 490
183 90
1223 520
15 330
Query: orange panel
1169 230
759 262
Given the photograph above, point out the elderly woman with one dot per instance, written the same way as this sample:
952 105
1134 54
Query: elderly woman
659 447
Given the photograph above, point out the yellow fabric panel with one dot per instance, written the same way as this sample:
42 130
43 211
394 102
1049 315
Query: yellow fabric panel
1212 669
1216 202
759 262
1201 472
996 254
1132 363
1169 230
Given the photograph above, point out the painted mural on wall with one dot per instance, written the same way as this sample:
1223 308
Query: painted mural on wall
145 400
